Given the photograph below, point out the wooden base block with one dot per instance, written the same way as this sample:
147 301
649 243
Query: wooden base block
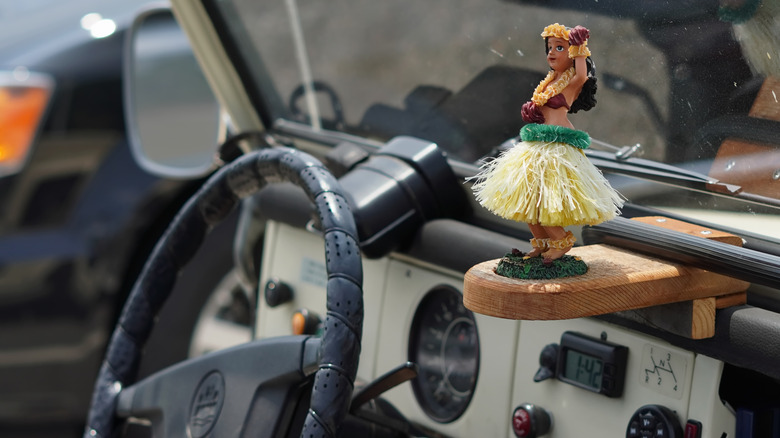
617 280
736 299
693 319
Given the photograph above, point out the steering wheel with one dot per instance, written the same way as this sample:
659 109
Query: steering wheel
255 387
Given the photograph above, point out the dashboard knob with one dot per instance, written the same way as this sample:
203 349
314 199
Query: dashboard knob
305 322
277 292
530 421
654 421
548 361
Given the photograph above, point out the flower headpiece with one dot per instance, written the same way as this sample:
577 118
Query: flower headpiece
556 30
578 44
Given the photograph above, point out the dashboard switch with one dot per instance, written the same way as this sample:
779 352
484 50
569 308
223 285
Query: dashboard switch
693 429
530 421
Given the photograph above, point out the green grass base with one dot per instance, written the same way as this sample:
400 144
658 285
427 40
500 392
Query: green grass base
513 266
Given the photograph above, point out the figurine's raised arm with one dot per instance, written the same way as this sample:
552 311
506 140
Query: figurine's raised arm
546 180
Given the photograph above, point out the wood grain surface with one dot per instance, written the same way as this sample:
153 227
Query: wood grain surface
617 280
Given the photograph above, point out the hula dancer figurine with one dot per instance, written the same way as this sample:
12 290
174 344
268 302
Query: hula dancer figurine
546 180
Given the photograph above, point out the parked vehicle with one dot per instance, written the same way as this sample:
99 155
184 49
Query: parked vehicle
79 216
401 100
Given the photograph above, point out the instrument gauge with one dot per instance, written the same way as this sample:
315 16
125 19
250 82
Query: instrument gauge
444 343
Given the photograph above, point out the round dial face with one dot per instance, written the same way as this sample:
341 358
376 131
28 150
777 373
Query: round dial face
445 345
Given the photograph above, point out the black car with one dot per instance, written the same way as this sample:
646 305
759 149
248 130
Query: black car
79 216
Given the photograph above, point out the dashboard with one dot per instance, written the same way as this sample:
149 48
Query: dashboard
486 376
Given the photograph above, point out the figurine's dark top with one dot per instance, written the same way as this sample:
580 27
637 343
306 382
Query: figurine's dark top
557 101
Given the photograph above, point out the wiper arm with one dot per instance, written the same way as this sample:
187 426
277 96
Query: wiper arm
621 153
673 176
621 162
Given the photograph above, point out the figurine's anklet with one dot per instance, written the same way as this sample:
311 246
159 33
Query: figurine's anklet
566 242
559 247
539 245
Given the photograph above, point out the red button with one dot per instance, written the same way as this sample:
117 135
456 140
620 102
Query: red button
692 429
521 423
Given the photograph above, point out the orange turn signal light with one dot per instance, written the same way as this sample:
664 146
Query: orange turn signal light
24 98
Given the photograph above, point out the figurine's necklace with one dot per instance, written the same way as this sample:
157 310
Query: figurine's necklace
543 93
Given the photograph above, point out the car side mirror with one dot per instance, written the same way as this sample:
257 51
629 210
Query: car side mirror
173 119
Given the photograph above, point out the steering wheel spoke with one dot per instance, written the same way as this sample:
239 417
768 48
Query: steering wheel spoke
219 393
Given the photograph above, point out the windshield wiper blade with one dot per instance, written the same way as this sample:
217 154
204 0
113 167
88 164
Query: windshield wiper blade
660 172
674 176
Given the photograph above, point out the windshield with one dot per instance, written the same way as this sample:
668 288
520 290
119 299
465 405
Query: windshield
695 83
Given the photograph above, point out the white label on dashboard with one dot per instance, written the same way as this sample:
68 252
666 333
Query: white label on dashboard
663 370
313 272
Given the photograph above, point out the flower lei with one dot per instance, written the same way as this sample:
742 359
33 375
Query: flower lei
543 93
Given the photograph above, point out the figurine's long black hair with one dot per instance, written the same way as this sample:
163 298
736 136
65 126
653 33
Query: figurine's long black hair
587 98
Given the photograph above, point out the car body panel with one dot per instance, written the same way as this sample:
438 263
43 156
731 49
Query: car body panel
77 219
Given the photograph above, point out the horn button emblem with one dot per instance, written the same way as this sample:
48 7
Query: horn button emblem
206 404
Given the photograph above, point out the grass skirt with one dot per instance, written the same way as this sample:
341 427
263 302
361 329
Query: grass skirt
549 183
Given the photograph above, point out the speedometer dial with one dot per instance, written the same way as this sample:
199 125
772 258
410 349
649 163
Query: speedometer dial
445 345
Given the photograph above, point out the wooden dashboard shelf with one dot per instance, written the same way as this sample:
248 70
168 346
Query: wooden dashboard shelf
617 280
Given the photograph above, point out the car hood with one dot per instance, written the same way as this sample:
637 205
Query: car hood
35 30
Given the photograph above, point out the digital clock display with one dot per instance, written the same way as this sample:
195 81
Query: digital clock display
592 364
584 369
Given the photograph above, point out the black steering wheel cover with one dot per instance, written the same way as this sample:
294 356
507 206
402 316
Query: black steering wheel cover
340 347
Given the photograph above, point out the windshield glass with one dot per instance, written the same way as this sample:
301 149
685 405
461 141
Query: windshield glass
695 83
